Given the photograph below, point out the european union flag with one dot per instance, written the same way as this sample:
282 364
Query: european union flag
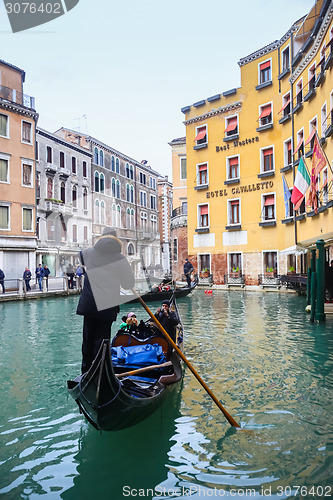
286 196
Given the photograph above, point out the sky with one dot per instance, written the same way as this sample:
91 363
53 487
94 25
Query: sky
131 66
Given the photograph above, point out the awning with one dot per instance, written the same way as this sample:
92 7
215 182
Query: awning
265 65
285 105
294 249
298 146
269 200
310 137
204 210
311 242
265 111
233 161
202 168
201 134
232 124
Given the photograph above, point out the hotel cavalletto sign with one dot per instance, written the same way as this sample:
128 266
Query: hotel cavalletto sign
248 188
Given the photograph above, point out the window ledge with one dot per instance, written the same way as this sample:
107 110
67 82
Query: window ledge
323 208
286 168
201 146
233 137
264 85
309 95
233 227
288 220
269 173
265 127
201 186
232 181
312 214
329 204
285 119
284 73
296 162
298 107
309 153
267 223
300 217
322 141
202 230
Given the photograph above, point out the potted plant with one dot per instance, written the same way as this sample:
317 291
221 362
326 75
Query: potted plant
269 272
291 270
204 273
235 272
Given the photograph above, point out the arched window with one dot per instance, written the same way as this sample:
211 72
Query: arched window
117 165
118 189
102 213
113 187
128 218
132 218
63 192
132 194
74 196
118 216
130 249
85 199
112 164
132 172
96 156
97 212
96 182
114 215
128 193
101 158
50 187
101 183
127 171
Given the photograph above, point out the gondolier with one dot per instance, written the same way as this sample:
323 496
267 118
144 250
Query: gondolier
188 270
106 270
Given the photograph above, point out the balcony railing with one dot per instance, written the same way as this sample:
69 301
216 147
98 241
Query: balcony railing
179 211
236 279
55 206
269 279
17 97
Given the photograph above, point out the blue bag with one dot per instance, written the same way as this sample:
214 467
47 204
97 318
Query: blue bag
138 355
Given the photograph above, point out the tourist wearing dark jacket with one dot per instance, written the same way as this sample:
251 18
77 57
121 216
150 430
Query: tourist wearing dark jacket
106 270
167 318
40 275
2 280
27 278
188 269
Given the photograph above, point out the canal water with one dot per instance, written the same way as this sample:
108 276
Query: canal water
268 365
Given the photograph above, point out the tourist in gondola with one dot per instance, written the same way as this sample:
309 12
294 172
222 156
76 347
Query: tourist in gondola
106 270
167 318
188 270
27 278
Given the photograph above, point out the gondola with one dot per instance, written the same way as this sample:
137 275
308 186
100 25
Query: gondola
111 400
167 294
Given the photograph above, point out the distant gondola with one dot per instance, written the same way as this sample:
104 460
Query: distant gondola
110 403
160 295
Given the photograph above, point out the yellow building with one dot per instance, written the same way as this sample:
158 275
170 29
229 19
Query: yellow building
240 144
18 119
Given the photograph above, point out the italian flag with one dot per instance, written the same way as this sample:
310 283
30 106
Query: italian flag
302 183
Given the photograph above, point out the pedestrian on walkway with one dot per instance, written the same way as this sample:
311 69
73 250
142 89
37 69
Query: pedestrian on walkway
46 274
70 275
39 275
2 280
78 275
27 278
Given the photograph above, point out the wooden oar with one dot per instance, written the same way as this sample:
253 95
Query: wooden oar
143 369
186 361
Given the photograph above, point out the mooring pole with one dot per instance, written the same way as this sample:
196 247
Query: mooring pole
320 272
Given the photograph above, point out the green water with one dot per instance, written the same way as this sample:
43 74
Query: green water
270 367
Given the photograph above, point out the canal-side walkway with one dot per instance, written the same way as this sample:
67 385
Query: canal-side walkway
51 287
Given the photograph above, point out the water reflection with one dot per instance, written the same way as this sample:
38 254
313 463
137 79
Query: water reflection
270 367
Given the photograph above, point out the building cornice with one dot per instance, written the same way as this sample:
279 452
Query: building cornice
63 142
214 112
315 46
21 110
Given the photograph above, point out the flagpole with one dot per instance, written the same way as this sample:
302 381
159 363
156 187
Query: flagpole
328 162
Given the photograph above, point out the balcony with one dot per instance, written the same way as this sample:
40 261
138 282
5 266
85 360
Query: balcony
59 207
269 279
16 97
234 279
179 217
